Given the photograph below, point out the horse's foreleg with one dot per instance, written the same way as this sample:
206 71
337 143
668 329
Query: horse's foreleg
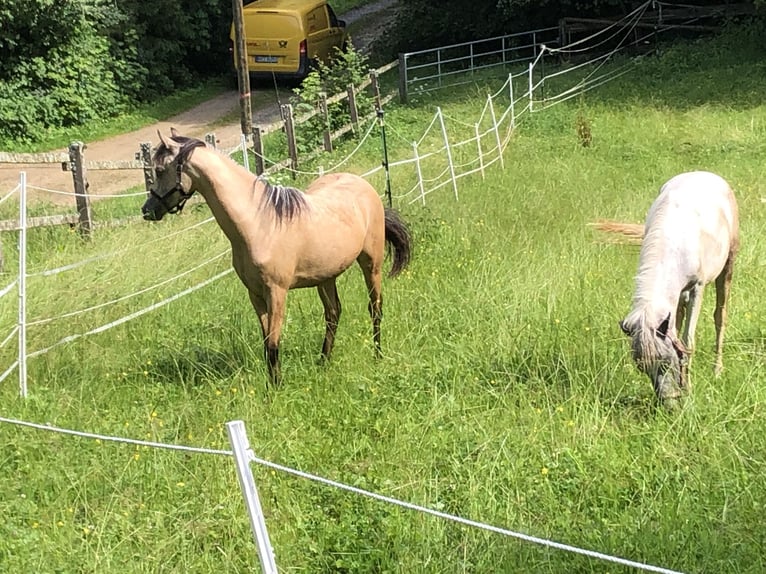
328 293
373 278
722 290
693 313
271 329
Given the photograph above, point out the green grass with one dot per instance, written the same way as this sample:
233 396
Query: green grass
506 395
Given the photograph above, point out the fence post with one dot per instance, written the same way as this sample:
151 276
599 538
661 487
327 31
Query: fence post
497 130
449 151
420 173
353 112
23 284
478 145
402 78
77 165
210 140
326 113
243 69
513 110
375 89
245 157
292 146
258 150
242 457
531 68
145 157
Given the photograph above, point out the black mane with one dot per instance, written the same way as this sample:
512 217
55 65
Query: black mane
187 145
287 202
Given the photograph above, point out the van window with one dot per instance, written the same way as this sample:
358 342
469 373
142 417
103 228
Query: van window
333 18
317 19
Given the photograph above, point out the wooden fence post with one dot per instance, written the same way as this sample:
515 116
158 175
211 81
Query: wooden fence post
145 157
326 113
79 177
353 112
292 146
258 150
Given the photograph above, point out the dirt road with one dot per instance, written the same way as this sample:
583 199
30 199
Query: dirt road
196 122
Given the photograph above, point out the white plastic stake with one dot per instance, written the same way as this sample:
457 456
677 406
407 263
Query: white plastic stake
513 111
449 151
23 284
420 173
242 457
531 69
478 146
497 130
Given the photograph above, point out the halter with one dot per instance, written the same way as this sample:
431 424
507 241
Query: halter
185 195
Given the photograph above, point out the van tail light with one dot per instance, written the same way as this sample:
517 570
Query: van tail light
303 49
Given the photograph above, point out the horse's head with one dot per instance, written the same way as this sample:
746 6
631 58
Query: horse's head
172 187
658 352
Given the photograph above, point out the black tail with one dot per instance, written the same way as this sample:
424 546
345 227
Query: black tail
398 237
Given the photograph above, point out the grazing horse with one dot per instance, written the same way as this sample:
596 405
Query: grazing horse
690 238
282 238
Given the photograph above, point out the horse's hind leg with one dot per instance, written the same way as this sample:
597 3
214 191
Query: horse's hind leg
328 293
373 278
722 290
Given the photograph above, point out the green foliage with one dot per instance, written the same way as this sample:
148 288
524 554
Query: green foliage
348 68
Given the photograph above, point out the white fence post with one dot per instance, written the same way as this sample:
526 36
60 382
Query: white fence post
23 284
242 458
449 151
531 87
513 111
478 146
420 173
497 131
245 158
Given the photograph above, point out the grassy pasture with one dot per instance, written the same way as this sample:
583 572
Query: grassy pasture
506 395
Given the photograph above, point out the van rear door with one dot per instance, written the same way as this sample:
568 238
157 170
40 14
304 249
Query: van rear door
273 41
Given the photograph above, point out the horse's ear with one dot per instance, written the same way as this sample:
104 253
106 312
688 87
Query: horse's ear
174 133
162 140
662 330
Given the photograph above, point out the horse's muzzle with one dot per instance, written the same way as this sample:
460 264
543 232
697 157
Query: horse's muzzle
152 212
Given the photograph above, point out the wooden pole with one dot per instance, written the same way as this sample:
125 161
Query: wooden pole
145 157
80 180
326 113
258 150
292 146
352 108
243 72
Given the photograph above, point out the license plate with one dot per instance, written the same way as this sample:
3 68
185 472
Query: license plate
266 59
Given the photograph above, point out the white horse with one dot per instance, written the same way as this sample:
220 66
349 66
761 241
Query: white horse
690 238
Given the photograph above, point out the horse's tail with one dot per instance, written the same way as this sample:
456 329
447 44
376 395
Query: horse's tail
398 237
634 232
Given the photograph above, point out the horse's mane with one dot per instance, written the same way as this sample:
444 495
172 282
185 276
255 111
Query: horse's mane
187 145
287 202
652 253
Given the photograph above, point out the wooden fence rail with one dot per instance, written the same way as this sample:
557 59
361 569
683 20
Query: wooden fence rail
76 162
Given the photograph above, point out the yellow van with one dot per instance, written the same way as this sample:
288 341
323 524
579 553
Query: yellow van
287 37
